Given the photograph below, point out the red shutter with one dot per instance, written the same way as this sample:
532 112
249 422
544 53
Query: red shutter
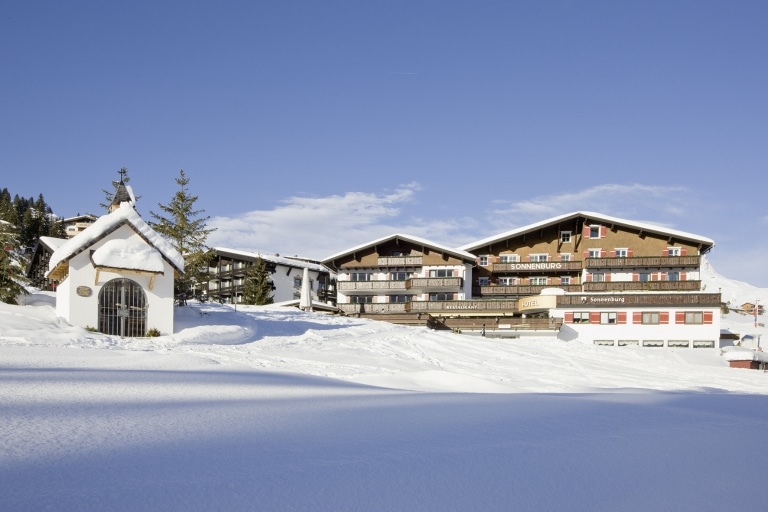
602 254
708 317
683 276
637 317
635 277
608 278
594 317
664 317
586 231
629 253
621 317
602 231
568 317
682 251
679 317
586 254
613 253
589 278
665 252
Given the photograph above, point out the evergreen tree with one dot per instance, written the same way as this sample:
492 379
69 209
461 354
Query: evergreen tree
178 222
258 286
11 266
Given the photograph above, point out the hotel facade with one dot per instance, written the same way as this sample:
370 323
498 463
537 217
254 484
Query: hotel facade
584 275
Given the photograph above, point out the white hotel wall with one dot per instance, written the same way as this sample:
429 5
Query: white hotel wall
588 333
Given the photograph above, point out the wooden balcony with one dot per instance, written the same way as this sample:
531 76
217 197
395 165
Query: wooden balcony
644 262
400 261
452 307
490 291
370 286
384 308
643 286
433 283
541 267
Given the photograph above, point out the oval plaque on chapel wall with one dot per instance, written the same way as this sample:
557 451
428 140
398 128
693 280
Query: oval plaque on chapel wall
84 291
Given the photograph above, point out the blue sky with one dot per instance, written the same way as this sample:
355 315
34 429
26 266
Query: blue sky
311 127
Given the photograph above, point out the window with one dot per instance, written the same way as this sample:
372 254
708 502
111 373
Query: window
598 277
622 253
565 280
297 281
594 231
361 299
539 257
673 276
608 318
398 254
644 277
650 318
359 276
678 344
694 317
399 276
483 281
581 317
594 253
483 261
565 237
565 256
441 272
508 281
440 296
653 343
628 343
538 281
674 251
400 299
509 258
703 344
605 343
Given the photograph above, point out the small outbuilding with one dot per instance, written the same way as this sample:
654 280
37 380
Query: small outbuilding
117 276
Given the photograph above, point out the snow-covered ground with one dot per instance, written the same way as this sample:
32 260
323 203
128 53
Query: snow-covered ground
276 409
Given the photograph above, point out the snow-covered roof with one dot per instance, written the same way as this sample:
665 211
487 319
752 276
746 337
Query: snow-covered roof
407 238
279 260
128 254
51 242
118 255
592 216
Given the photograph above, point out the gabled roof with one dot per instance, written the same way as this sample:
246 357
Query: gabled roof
124 215
461 254
706 243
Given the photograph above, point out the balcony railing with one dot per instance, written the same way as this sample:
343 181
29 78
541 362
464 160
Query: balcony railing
400 261
643 286
488 291
644 262
370 286
538 267
354 309
433 283
447 307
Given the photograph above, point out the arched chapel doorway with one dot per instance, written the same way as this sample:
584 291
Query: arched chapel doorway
123 308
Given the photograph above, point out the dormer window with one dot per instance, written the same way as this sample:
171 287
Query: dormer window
565 237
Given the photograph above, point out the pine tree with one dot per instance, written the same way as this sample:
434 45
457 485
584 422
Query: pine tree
258 286
11 266
187 233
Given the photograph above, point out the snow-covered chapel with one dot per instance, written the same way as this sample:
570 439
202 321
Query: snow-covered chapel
117 276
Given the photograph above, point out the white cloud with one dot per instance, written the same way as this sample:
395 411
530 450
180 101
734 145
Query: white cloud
314 227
